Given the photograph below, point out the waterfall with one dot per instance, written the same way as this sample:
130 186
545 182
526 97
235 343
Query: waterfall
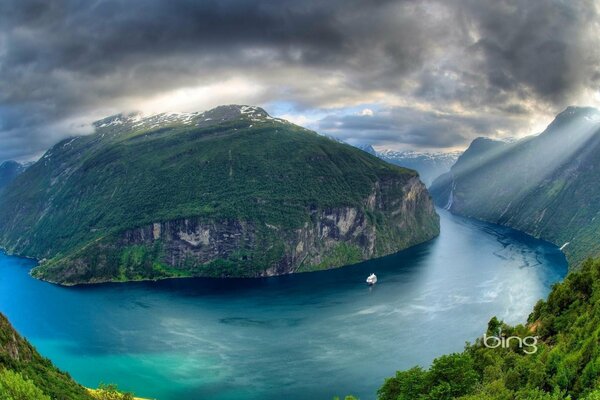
451 197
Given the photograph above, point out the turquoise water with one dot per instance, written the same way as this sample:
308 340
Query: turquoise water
307 336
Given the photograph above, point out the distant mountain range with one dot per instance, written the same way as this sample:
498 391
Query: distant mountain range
231 192
545 185
428 165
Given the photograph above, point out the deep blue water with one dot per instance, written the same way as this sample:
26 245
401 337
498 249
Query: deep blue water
307 336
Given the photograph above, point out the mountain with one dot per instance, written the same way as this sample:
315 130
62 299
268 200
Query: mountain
231 192
545 185
428 165
480 150
9 170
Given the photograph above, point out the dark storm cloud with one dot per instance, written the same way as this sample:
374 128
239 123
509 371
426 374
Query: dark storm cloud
64 61
547 48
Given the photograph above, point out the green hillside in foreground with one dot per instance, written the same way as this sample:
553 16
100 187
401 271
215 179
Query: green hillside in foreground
231 192
26 375
566 364
545 185
18 356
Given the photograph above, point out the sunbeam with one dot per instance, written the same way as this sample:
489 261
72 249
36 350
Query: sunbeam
487 165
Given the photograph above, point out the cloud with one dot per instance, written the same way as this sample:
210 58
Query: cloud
549 47
406 127
64 63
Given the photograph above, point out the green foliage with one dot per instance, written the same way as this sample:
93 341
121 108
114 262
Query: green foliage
595 395
14 387
405 385
342 254
449 377
110 392
565 366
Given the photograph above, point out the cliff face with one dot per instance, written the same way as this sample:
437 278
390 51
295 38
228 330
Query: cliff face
397 215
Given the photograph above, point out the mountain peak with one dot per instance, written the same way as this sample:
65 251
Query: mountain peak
367 148
235 111
10 164
573 113
117 119
126 122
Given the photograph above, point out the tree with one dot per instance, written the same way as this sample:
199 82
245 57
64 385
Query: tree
14 387
406 385
452 376
110 392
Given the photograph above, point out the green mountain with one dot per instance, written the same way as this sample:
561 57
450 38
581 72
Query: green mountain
231 192
20 363
545 185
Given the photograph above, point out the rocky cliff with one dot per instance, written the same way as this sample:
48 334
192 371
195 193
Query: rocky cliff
197 246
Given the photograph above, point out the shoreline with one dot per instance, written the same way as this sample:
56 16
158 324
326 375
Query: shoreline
109 281
93 391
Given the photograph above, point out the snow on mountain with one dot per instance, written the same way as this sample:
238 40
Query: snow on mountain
428 165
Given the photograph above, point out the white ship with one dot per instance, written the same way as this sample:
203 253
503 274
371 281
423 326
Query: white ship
372 279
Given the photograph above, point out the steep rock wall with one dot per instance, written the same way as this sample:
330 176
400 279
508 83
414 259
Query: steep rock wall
397 214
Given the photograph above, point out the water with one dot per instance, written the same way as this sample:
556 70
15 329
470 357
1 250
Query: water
307 336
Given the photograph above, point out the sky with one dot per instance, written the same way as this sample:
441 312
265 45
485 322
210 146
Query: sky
427 75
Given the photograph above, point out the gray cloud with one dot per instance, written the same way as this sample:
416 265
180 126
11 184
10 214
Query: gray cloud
65 62
404 126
